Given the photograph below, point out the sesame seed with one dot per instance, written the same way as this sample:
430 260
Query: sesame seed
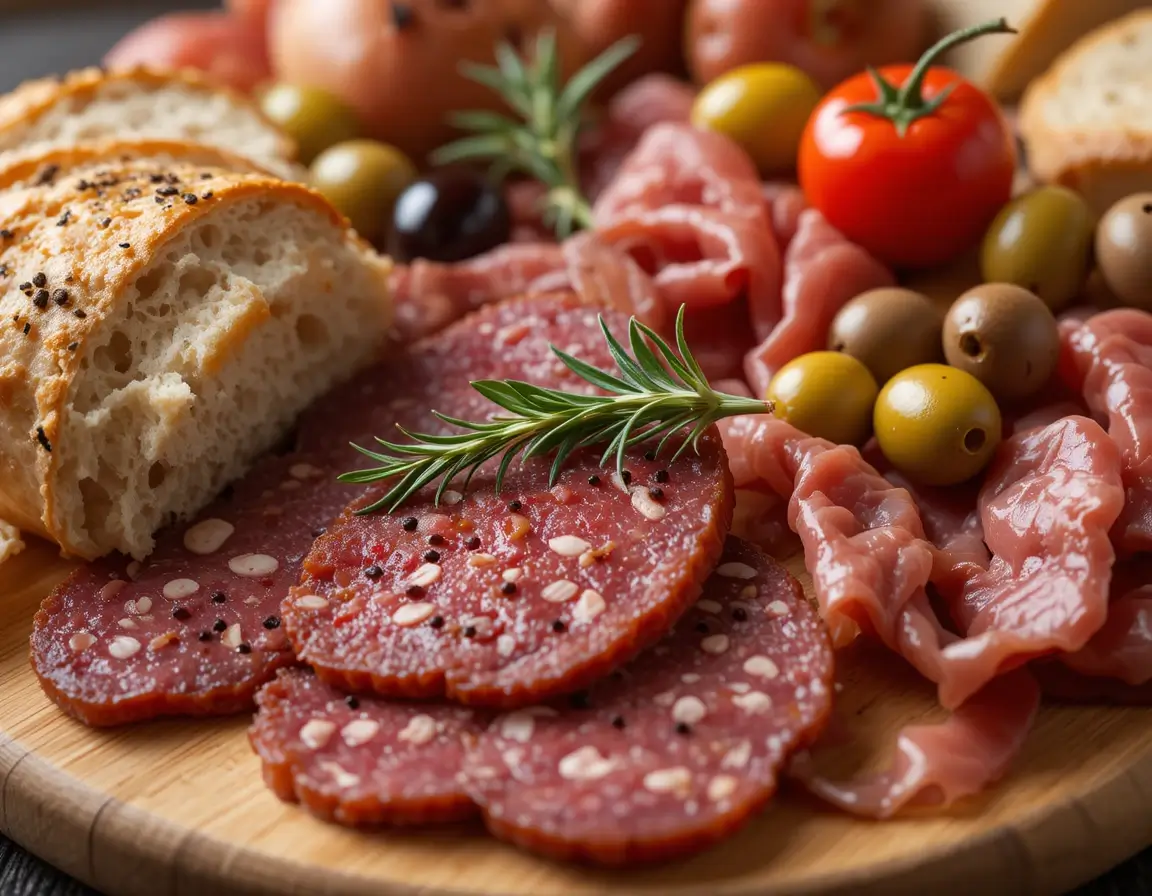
676 780
272 622
568 545
689 710
647 508
761 666
559 626
753 702
512 574
708 606
721 787
419 730
373 571
410 523
432 556
182 614
316 733
451 497
590 605
79 313
81 641
585 764
219 625
508 588
232 637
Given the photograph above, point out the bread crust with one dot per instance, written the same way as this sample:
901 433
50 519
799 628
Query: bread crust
22 168
76 245
1080 156
32 99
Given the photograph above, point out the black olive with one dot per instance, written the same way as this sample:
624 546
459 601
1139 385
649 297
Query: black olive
450 215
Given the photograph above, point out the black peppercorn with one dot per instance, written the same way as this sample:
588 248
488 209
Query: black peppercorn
410 523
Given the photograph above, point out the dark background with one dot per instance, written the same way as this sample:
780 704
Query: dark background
33 44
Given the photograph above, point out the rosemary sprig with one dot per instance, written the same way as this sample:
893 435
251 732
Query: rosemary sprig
542 144
659 392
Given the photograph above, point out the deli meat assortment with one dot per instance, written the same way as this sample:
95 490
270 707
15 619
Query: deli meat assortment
601 334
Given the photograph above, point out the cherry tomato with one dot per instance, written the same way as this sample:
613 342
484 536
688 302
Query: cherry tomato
911 163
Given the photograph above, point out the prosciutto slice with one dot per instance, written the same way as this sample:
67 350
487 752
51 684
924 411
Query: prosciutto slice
1122 648
822 271
871 561
1112 352
688 206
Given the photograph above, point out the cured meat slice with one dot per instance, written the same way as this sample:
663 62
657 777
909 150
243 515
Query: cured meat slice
679 749
786 203
196 628
687 205
506 599
362 762
1046 508
1122 648
1113 356
822 271
937 765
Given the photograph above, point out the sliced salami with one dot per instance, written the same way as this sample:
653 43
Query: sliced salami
196 629
361 763
680 748
505 600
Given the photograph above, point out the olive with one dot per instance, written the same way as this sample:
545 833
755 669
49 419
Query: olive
825 394
1005 337
936 424
764 108
1124 250
363 179
1041 241
450 215
888 329
314 118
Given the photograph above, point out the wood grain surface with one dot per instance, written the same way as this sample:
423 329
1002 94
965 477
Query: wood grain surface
179 807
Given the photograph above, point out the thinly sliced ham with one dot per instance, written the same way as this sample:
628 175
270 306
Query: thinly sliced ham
822 271
1122 648
1112 352
937 765
785 202
688 206
1045 509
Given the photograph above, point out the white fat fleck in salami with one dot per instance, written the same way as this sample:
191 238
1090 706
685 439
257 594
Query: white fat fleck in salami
233 636
207 536
476 560
568 545
670 755
359 732
141 606
425 575
311 602
254 566
590 605
451 497
177 589
316 733
168 639
419 730
113 588
124 647
777 608
413 614
81 641
559 592
647 506
735 571
708 606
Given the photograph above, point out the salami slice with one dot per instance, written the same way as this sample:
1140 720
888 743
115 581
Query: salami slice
362 763
196 628
683 746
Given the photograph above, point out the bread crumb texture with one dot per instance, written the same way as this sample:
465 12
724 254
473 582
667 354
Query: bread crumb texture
10 543
160 327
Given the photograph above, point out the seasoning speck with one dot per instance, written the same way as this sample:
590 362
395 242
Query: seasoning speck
182 614
683 728
702 627
593 479
64 218
472 543
657 494
72 346
244 648
60 296
219 625
352 701
79 313
559 626
6 234
125 245
373 571
470 631
190 198
661 476
436 622
104 222
432 556
618 722
272 623
218 597
414 591
205 636
410 523
42 438
515 506
627 477
41 298
402 16
435 539
40 279
740 614
508 588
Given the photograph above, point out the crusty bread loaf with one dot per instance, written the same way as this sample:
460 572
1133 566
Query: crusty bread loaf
160 328
1087 123
94 105
30 168
1045 28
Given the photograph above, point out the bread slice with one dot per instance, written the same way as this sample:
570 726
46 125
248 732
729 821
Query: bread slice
1004 66
23 168
1087 123
10 541
159 329
93 105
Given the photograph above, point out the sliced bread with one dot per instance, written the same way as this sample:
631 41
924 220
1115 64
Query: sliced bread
159 329
93 105
1087 123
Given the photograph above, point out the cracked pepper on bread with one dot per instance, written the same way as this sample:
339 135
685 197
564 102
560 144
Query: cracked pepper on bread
160 327
92 105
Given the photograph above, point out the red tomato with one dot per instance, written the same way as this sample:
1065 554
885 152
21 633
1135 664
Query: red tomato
918 198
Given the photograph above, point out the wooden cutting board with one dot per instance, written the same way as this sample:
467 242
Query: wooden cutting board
179 807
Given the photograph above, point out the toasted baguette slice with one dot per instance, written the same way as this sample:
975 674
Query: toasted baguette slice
150 350
1045 28
23 168
1087 123
93 105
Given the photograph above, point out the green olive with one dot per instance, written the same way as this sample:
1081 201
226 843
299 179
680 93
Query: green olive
936 424
1005 337
1124 250
825 394
888 329
363 178
312 117
1041 241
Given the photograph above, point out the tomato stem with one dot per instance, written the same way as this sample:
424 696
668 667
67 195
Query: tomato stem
905 104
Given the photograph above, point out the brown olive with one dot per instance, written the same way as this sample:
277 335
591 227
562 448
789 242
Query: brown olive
363 179
1003 335
888 330
1124 250
1040 241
